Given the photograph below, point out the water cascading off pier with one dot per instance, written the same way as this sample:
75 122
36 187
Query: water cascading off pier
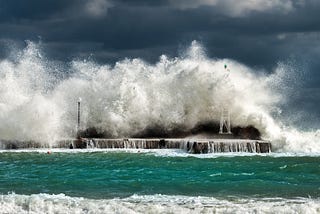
196 146
189 145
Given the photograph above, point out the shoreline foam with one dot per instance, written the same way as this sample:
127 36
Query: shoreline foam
45 203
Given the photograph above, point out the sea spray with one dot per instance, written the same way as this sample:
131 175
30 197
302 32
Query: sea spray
126 99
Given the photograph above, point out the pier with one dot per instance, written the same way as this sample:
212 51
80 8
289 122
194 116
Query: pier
196 146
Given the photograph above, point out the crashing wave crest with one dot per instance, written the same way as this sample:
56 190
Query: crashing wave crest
38 102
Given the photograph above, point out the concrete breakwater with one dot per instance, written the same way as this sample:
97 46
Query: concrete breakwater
195 146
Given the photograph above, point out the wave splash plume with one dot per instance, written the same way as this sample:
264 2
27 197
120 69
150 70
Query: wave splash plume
38 97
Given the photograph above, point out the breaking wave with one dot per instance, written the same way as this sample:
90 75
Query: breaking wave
44 203
38 97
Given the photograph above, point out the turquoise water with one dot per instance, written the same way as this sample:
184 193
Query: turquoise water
107 175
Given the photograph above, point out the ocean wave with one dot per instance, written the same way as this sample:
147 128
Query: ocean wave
38 98
44 203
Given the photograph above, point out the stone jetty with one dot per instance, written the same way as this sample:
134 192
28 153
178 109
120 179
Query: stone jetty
196 146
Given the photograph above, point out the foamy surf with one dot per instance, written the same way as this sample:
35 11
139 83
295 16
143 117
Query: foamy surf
163 152
44 203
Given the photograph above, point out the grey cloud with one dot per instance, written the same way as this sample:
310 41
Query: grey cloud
130 27
236 8
97 8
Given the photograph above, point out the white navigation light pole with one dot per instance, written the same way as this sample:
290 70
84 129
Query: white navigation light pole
78 122
225 125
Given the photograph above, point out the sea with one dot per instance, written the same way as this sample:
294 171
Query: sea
45 101
157 181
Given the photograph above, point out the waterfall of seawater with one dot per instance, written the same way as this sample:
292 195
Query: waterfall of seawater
191 146
215 147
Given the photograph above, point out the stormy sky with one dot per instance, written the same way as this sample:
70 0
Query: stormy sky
258 33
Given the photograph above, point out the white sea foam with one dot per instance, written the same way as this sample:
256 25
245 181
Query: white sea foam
122 100
44 203
164 152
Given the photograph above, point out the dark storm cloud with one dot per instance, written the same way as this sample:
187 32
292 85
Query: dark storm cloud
17 10
259 34
133 26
